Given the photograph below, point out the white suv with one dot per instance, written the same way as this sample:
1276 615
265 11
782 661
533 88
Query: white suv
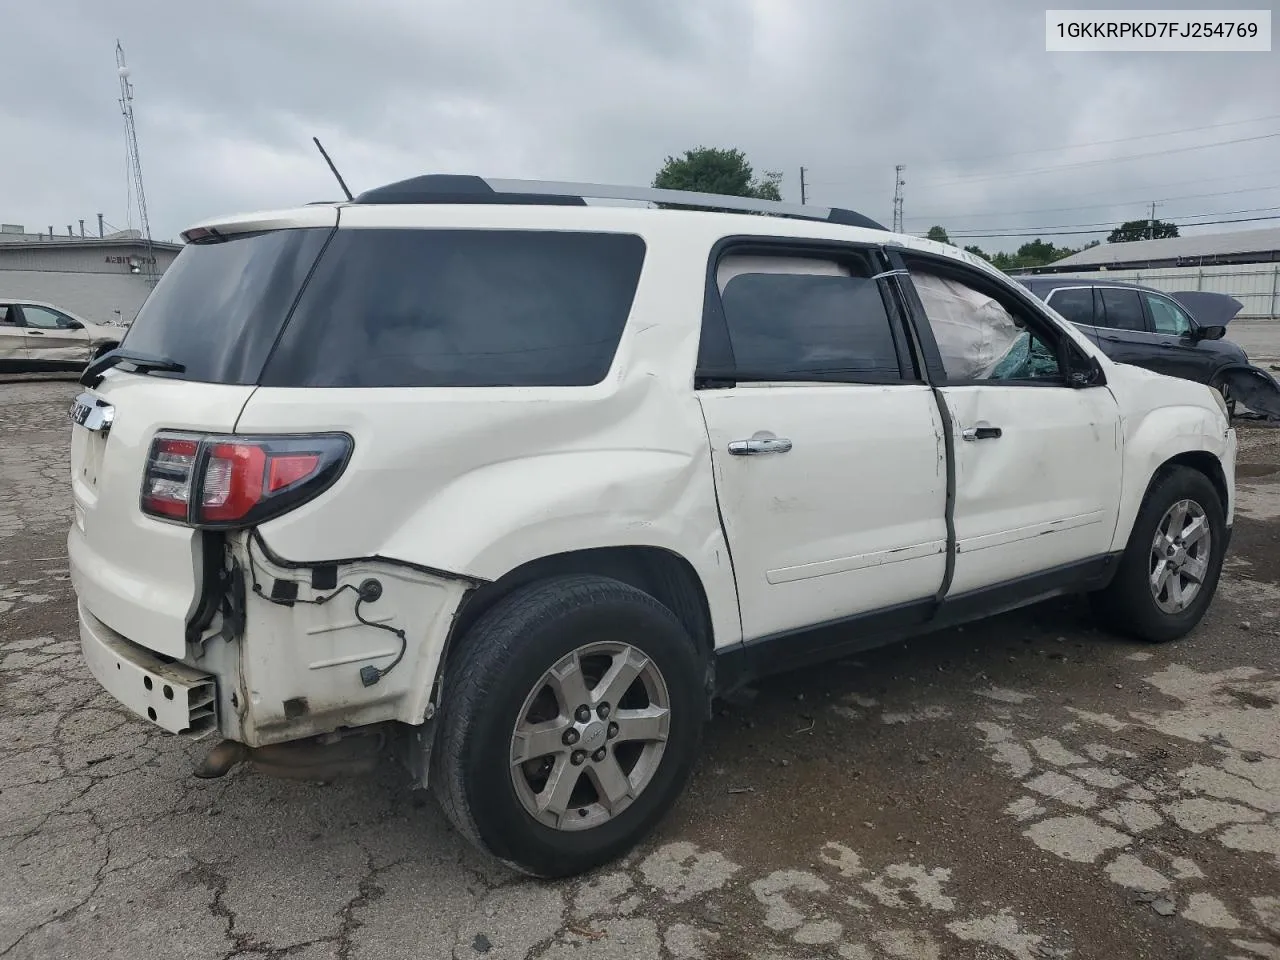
518 483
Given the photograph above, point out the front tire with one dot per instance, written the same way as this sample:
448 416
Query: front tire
569 724
1220 384
1171 565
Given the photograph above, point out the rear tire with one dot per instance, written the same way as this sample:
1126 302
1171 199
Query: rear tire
1178 538
592 783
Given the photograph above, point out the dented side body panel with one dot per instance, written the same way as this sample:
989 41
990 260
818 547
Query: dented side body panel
449 488
478 481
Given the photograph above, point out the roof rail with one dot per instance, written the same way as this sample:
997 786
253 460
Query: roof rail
454 188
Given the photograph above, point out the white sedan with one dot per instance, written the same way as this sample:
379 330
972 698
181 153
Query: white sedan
40 336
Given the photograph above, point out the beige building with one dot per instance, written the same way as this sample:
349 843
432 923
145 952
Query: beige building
103 279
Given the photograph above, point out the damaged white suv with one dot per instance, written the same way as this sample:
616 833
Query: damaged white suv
518 483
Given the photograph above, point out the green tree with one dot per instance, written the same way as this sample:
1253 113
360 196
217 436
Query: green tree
715 170
1037 253
977 251
938 233
1142 230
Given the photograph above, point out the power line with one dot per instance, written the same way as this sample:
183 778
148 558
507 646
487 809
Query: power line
1075 146
1094 163
1112 203
999 231
1064 233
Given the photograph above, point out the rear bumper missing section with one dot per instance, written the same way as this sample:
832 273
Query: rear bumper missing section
171 695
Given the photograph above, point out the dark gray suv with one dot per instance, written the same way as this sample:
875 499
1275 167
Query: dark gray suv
1149 328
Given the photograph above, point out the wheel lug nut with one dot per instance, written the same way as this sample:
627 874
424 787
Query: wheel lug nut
570 737
599 755
579 758
603 711
583 714
613 730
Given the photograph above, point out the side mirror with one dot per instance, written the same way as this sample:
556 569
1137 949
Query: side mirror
74 325
1086 372
1210 333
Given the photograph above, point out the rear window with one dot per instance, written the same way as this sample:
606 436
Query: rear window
460 308
219 306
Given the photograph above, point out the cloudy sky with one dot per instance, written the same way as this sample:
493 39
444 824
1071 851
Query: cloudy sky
996 134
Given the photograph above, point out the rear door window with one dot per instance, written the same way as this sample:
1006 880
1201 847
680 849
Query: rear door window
42 318
1074 303
460 308
796 319
219 307
1122 309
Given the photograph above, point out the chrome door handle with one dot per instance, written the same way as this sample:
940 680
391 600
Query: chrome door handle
35 333
981 432
749 448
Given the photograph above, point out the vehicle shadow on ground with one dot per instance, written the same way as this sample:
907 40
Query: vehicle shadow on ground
272 825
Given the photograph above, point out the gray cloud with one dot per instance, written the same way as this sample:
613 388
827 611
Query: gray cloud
229 94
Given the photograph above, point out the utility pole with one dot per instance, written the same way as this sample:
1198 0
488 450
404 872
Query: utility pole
101 232
898 184
802 193
1151 227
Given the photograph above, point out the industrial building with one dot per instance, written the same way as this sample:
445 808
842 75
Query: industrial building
103 279
1244 264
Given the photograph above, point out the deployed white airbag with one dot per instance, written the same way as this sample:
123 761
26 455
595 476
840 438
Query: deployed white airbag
974 332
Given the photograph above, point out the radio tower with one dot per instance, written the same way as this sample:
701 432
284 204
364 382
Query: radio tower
898 184
135 163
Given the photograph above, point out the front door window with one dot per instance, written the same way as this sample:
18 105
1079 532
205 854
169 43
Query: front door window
1167 316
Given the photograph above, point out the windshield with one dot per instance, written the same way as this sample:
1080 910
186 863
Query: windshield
220 307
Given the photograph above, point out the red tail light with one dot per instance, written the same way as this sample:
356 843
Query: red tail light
166 491
219 481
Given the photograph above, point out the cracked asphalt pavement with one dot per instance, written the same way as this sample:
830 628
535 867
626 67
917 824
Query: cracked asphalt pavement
1026 787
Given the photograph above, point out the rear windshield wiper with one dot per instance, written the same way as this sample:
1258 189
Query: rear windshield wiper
140 362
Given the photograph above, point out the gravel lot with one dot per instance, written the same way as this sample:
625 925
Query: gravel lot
1023 788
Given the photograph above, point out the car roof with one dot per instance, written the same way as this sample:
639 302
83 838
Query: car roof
462 201
1065 280
27 301
35 303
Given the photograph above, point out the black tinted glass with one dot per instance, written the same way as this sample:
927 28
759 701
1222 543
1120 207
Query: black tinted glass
1075 304
219 307
1123 309
461 308
800 326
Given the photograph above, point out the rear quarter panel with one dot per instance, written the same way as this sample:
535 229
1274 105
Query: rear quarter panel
478 481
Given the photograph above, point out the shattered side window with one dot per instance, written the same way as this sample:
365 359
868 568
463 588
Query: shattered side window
979 338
